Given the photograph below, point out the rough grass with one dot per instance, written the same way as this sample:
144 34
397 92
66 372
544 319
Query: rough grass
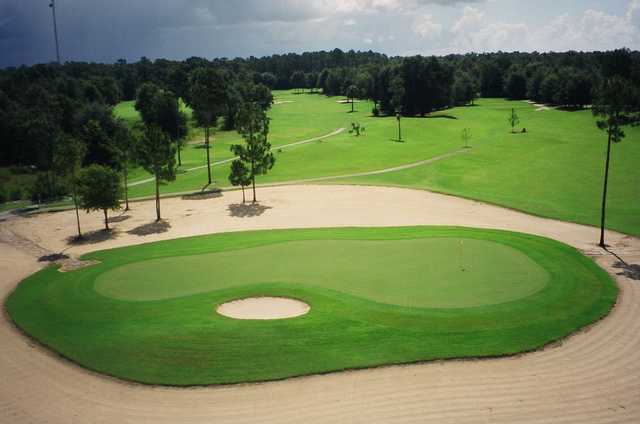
179 340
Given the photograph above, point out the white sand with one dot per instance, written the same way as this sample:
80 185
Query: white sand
592 377
263 308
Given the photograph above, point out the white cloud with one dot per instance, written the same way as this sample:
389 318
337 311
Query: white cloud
351 6
591 30
474 32
472 19
633 13
426 27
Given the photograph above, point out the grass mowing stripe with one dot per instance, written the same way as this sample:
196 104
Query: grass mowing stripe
181 341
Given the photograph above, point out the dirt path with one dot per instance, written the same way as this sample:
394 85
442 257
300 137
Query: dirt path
222 162
368 173
593 377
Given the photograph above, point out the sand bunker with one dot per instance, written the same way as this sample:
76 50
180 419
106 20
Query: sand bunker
263 308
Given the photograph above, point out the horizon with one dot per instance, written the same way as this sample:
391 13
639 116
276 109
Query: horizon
96 32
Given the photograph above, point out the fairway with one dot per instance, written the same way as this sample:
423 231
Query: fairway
554 170
377 296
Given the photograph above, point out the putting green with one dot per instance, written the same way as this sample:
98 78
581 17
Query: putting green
431 272
377 296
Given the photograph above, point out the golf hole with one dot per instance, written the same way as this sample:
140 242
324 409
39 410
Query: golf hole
263 308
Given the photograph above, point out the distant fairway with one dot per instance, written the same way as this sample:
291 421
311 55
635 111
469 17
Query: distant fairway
377 296
555 170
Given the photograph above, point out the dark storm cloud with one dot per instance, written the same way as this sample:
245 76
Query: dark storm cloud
105 30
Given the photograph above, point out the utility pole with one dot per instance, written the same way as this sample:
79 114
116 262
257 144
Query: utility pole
52 5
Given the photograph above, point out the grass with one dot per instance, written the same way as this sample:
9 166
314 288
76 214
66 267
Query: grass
554 170
378 296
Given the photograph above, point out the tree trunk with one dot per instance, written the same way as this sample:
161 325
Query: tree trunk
243 198
399 131
75 203
604 194
352 105
253 180
206 143
213 158
126 188
106 220
177 130
157 198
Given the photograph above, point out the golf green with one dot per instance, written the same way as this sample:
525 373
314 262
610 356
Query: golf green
377 295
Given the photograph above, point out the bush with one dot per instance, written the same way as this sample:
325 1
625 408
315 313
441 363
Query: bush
40 191
375 111
15 194
3 195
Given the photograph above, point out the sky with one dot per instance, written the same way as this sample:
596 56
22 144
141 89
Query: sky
107 30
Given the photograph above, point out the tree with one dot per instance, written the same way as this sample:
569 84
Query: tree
240 176
617 104
69 152
268 79
145 101
397 93
171 119
466 136
157 155
515 86
208 98
357 129
124 145
260 94
253 125
352 93
513 120
298 80
464 89
99 189
397 90
162 107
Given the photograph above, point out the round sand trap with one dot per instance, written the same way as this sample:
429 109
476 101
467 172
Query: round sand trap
263 308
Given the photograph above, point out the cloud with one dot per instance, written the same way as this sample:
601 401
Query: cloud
426 27
472 19
106 30
591 30
474 32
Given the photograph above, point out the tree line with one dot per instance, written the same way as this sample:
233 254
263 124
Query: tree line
59 121
43 107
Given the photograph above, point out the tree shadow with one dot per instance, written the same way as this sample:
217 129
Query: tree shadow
631 271
156 227
54 257
119 218
571 108
92 237
247 210
203 195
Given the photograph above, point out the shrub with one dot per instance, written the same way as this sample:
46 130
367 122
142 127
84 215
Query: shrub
15 194
41 191
375 111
